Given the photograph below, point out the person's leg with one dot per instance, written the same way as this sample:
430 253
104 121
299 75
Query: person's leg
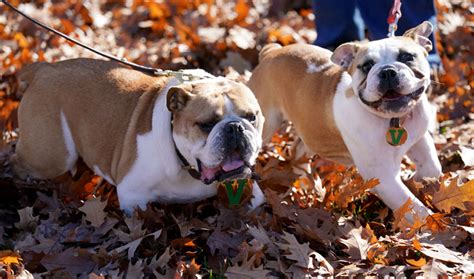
337 22
414 12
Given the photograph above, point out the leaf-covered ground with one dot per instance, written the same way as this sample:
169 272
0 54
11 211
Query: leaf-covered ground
322 223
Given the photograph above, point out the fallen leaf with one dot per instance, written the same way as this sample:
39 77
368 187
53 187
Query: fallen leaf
356 244
453 195
246 270
73 260
8 257
27 220
94 210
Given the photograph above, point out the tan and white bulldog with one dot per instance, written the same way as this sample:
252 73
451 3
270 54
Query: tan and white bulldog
140 132
342 103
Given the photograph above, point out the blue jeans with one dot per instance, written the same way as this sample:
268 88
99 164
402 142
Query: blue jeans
340 21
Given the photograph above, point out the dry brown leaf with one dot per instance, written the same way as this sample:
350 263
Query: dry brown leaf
27 220
357 243
94 210
246 270
453 195
73 260
132 246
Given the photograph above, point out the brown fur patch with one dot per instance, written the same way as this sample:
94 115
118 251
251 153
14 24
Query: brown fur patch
210 95
282 82
105 105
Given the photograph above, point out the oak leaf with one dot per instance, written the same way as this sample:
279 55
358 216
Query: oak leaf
453 195
72 260
357 243
246 270
94 210
303 255
132 246
27 220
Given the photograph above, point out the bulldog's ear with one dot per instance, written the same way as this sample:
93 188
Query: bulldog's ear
420 35
344 54
178 96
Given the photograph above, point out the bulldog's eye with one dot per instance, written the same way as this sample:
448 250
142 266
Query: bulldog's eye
406 57
206 126
365 68
252 118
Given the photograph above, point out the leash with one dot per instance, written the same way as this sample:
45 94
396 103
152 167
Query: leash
180 75
396 135
394 15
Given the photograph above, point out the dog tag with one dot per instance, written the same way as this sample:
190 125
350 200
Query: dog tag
396 135
234 190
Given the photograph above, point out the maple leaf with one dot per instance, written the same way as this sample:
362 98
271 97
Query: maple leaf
453 196
94 210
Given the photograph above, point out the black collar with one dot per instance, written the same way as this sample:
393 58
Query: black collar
196 174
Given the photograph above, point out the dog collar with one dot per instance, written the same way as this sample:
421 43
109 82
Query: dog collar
193 172
396 135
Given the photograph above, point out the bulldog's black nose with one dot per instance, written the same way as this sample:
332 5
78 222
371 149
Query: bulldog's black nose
388 78
234 128
234 139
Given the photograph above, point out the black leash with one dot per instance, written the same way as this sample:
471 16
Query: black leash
180 75
152 71
141 68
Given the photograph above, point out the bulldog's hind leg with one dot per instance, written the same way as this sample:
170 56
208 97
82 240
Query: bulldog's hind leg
45 148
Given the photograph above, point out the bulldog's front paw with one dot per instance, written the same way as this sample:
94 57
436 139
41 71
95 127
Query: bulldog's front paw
258 198
418 212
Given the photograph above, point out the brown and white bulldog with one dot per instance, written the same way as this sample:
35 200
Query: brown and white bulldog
342 103
140 132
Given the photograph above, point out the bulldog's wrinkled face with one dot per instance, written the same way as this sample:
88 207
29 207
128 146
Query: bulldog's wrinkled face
217 127
390 75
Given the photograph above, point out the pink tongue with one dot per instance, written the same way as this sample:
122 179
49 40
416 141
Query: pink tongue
232 165
209 173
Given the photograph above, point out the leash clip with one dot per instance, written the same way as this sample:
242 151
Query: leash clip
392 27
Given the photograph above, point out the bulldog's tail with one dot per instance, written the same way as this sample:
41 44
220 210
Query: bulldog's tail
267 49
26 76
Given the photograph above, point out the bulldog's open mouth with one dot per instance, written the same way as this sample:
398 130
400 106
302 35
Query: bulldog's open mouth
230 168
393 97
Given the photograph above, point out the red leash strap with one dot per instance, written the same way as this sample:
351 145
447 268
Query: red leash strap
394 15
394 12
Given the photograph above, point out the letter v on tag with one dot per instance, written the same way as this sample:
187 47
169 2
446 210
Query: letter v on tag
396 135
235 195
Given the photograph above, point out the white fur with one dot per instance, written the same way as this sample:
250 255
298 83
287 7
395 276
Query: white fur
384 52
157 174
313 68
207 150
70 146
364 135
